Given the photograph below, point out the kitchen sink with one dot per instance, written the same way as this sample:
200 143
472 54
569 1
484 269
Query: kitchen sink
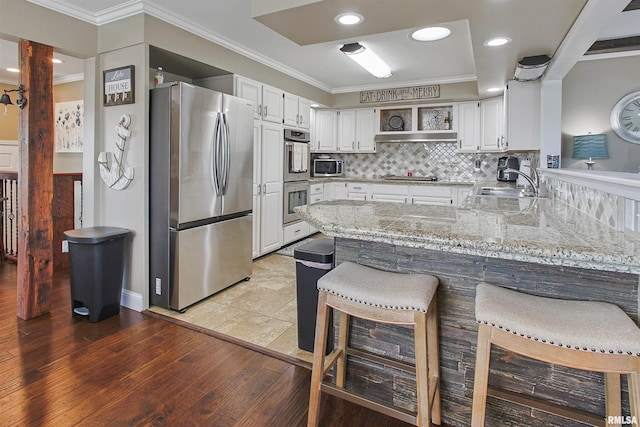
509 192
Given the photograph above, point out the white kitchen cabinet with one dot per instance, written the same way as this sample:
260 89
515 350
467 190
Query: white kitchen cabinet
365 130
492 114
324 132
432 195
316 193
335 191
268 187
267 101
356 130
468 127
522 115
346 131
297 111
390 193
295 231
358 191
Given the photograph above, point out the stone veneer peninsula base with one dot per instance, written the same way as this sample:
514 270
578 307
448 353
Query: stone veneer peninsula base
459 274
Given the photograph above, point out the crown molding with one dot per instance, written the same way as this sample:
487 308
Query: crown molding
134 7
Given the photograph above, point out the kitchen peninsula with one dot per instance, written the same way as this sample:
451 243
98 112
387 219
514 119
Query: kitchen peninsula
536 245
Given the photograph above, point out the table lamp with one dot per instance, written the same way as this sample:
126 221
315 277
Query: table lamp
590 147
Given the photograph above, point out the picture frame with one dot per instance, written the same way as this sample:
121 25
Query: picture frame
69 120
119 86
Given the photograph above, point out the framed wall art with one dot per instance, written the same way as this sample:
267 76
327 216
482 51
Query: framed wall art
69 118
119 86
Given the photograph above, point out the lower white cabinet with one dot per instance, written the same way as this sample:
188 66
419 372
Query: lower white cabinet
432 195
358 191
444 195
296 231
390 193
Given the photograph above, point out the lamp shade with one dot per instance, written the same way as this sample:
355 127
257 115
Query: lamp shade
590 146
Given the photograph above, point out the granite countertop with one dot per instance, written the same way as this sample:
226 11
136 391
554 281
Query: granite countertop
535 230
385 180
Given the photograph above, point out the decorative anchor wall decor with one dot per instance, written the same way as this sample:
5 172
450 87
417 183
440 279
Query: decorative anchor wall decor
116 175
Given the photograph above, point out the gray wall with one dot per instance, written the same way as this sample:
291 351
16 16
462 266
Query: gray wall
589 92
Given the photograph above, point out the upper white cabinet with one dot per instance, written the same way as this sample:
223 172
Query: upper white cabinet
324 132
365 130
522 107
492 135
468 127
297 111
267 101
346 131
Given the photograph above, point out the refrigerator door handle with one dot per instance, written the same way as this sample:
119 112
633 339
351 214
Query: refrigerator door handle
227 153
216 154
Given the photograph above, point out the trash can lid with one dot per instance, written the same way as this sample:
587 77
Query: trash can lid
317 250
91 235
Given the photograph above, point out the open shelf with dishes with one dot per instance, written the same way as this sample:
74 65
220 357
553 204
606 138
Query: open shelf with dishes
419 118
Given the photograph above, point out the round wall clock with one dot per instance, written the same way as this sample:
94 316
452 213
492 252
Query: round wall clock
625 118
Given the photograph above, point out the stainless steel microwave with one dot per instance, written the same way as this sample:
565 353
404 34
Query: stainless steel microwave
328 167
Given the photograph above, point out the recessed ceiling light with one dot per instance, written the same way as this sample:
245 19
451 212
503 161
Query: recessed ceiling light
430 34
56 61
498 41
494 89
13 70
349 18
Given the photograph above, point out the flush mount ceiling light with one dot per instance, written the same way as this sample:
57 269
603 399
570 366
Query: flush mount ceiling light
430 34
12 70
349 18
494 89
367 59
57 61
498 41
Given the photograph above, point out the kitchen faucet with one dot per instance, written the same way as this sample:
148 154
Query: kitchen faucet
534 184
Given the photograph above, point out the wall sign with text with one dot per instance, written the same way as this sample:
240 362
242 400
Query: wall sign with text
400 94
119 86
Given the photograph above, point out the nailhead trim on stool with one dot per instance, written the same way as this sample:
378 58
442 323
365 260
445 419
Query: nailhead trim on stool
386 297
588 335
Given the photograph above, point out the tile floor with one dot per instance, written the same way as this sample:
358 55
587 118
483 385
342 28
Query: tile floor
261 311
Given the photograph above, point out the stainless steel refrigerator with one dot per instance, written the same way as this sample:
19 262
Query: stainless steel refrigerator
201 166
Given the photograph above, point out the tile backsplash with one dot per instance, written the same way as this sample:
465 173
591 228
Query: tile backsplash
423 159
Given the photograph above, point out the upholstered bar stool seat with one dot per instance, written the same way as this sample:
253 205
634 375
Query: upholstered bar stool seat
593 336
386 297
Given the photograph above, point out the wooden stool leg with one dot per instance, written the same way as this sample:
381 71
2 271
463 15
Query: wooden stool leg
319 349
613 398
481 377
422 369
343 340
434 361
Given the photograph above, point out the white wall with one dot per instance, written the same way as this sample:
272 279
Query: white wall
589 92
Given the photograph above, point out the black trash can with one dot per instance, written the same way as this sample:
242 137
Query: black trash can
96 260
313 260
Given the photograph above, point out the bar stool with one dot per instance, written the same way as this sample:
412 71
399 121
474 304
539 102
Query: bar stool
385 297
587 335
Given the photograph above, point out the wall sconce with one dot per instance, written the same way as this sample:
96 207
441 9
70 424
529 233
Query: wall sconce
590 147
21 101
367 59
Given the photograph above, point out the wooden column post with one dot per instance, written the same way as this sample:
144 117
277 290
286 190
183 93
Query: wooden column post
35 181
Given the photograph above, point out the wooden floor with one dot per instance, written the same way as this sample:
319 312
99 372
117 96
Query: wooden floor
134 369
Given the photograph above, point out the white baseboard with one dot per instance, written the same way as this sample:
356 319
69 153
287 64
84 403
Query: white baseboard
132 300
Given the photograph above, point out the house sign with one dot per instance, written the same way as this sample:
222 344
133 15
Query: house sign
400 94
